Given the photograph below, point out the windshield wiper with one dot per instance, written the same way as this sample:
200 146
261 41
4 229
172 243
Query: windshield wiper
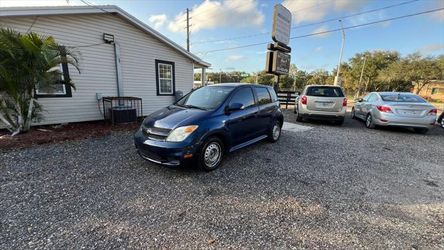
193 107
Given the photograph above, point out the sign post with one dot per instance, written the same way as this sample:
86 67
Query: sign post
278 54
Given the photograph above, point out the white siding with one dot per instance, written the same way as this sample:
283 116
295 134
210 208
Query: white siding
97 67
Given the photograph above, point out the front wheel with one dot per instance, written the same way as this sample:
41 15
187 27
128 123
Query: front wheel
211 154
275 132
442 122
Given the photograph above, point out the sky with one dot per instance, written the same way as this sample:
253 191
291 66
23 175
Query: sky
224 24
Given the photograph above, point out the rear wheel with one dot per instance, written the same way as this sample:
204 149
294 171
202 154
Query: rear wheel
369 121
420 130
211 154
275 132
442 122
353 115
298 116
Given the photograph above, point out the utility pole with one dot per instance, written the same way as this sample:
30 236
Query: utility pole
188 30
360 78
337 80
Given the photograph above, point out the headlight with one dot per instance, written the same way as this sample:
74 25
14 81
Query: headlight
181 133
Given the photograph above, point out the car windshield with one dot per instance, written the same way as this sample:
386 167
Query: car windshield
325 91
401 98
206 97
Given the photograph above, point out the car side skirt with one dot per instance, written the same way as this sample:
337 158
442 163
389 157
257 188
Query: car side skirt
247 143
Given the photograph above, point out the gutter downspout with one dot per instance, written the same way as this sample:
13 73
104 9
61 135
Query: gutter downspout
118 69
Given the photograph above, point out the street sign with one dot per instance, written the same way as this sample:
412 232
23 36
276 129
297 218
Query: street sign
278 63
281 24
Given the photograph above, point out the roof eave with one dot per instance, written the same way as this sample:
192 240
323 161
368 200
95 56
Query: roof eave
97 9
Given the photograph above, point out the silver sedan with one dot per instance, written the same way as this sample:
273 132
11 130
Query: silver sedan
402 109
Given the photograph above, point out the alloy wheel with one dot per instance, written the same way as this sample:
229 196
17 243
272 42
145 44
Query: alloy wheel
368 121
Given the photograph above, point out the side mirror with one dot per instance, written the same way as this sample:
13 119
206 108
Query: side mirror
360 100
234 107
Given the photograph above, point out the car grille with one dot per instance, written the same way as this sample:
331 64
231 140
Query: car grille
158 134
152 156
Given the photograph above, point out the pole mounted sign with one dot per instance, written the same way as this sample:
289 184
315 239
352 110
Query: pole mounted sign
278 57
281 24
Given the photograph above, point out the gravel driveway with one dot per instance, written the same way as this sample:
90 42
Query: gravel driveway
328 187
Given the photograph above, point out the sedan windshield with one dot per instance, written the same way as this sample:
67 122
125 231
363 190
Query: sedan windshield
206 97
402 98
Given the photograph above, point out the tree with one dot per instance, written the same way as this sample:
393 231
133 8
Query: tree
415 70
376 61
27 61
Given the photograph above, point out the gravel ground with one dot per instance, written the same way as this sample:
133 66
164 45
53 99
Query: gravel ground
329 187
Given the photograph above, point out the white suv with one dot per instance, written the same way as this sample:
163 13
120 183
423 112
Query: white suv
325 102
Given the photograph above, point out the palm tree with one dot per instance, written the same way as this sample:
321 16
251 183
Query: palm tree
27 61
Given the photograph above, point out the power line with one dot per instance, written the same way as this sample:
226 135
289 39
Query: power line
329 31
308 24
94 6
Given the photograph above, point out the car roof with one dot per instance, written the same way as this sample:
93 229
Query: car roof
322 85
394 93
236 84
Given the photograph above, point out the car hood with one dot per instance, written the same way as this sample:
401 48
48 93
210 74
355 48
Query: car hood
173 117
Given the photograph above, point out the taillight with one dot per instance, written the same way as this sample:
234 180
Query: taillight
304 99
433 112
384 109
344 102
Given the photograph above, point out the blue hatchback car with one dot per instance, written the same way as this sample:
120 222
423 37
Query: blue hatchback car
208 122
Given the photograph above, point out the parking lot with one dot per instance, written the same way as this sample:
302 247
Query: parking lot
325 187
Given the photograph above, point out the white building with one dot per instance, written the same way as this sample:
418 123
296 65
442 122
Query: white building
141 62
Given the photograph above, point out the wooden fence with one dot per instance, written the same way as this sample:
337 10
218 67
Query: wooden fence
286 98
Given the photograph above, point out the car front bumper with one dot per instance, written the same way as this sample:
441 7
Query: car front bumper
162 152
388 119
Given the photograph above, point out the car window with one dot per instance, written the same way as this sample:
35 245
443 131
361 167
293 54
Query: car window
263 97
274 97
372 98
365 98
401 98
244 96
206 97
325 91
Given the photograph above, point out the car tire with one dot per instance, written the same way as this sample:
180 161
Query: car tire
369 121
353 115
441 123
298 116
420 130
275 132
211 154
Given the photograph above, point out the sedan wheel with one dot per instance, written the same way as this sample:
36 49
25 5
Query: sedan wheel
369 122
442 122
353 115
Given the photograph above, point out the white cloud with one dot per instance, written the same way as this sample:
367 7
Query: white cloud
213 14
22 3
316 10
234 58
349 4
320 30
158 20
